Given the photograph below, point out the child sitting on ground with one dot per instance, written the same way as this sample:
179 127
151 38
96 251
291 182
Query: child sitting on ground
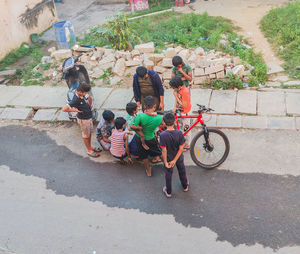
183 103
132 109
149 121
119 141
172 142
104 128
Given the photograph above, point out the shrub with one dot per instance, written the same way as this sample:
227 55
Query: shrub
229 82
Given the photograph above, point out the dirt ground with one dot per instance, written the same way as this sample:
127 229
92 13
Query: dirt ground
244 13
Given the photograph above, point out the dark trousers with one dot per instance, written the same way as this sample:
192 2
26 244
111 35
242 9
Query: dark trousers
182 175
133 146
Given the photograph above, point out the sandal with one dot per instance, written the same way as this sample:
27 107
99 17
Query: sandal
93 154
156 161
166 193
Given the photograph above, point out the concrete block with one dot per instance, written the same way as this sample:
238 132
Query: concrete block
145 48
63 116
246 102
218 68
100 95
286 123
133 63
226 121
274 68
6 73
298 123
184 54
209 70
8 93
167 75
271 104
210 120
45 115
200 96
223 102
212 76
238 70
170 52
199 72
119 68
220 74
293 103
292 83
118 99
16 113
167 62
61 54
169 99
159 69
156 57
254 122
273 84
149 64
199 51
201 80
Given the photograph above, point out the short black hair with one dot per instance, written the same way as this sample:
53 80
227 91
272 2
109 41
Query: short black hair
169 119
131 107
141 71
119 122
108 115
176 82
149 102
177 60
83 87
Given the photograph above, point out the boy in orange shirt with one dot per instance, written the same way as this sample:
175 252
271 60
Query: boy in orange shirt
182 102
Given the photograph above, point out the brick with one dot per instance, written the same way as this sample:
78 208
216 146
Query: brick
209 70
212 76
133 63
227 121
286 123
201 80
238 70
254 122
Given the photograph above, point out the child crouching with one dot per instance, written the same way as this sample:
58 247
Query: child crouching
119 141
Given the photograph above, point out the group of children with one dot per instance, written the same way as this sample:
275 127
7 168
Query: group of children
136 134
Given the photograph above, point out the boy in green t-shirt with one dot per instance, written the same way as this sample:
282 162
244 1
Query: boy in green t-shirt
149 121
182 70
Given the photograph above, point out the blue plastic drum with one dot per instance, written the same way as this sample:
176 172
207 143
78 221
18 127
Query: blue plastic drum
64 33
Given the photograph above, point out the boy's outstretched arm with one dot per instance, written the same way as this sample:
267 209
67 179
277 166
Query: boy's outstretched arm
67 108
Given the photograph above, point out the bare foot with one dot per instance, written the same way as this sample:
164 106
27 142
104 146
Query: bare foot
149 172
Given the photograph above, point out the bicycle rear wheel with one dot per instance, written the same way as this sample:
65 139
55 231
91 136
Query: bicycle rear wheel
210 155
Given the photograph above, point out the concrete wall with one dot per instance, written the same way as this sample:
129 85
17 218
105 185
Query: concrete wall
20 18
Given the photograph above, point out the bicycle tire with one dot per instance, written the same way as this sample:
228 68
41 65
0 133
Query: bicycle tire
217 163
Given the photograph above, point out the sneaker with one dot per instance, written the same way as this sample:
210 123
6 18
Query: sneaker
166 193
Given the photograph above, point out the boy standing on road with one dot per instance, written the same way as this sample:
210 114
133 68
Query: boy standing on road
149 121
183 103
182 70
84 116
172 142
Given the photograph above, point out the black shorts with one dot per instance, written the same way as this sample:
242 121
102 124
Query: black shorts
154 148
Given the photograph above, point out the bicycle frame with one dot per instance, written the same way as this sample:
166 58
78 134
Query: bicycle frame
198 117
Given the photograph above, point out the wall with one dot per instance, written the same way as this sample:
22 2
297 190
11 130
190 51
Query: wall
20 18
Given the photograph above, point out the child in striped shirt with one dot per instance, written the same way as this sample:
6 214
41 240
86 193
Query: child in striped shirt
119 142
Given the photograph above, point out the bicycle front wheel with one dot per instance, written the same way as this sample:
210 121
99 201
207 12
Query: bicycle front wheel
212 154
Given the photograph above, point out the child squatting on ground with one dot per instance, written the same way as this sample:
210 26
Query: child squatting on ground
103 131
148 121
183 103
119 141
84 116
172 142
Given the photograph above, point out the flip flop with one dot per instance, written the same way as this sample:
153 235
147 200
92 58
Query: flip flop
97 149
93 155
166 193
156 161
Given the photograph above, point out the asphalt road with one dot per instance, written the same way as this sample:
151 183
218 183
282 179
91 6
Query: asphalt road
249 208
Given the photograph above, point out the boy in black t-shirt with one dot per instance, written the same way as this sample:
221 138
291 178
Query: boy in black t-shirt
172 143
84 116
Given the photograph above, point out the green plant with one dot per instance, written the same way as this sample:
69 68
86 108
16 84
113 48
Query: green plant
282 28
10 106
32 83
229 82
46 66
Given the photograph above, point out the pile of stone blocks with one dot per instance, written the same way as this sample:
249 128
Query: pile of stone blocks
206 66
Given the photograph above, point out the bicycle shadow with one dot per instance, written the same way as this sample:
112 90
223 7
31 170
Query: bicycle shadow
241 208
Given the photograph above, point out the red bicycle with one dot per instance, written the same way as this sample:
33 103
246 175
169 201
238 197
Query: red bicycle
210 147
